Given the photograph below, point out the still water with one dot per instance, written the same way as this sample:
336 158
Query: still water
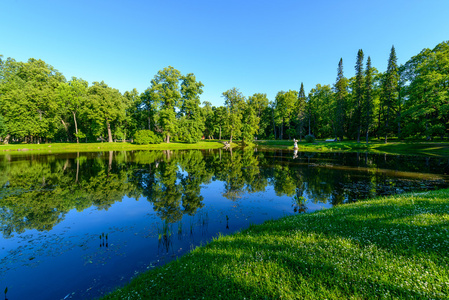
77 225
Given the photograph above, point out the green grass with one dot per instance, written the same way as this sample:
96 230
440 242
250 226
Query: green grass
90 147
409 147
392 247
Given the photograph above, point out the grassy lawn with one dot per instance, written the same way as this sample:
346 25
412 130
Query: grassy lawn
412 147
384 248
90 147
423 148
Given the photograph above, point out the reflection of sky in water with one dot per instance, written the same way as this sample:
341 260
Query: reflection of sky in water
91 251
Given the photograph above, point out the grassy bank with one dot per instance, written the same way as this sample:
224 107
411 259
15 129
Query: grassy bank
90 147
412 147
390 247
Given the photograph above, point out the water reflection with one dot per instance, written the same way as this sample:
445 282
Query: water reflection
37 191
139 209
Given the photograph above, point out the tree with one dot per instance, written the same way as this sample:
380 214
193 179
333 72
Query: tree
190 111
219 119
106 105
259 103
72 96
300 109
358 93
135 114
3 129
341 94
285 102
368 104
164 91
233 103
322 105
251 123
427 105
390 90
207 113
28 99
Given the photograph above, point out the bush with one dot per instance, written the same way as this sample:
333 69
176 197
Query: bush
145 137
309 138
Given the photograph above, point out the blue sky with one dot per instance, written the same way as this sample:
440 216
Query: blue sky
255 46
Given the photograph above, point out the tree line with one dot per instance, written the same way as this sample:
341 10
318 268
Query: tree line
38 104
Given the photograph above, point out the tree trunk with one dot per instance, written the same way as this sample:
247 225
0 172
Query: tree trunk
76 127
359 129
386 123
282 129
77 166
149 123
65 127
309 124
168 138
230 140
111 156
109 131
219 137
6 141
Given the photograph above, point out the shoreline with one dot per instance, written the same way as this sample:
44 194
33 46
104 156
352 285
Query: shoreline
385 247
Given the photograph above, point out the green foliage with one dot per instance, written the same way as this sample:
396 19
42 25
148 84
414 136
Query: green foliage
145 137
389 96
300 111
341 94
3 129
309 138
38 105
368 100
80 135
359 93
234 102
322 105
284 109
165 93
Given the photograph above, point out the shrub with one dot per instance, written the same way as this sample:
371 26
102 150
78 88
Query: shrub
309 138
145 137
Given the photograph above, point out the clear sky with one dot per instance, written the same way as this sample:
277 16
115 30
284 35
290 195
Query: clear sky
255 46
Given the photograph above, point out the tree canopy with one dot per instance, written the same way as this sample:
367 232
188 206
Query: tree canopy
38 104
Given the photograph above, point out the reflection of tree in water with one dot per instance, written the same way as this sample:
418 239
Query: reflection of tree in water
194 165
38 190
167 193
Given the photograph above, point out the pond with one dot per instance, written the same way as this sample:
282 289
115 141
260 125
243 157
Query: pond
78 225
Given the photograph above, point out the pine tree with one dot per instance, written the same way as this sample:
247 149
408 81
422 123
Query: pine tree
368 105
390 89
341 93
301 110
358 92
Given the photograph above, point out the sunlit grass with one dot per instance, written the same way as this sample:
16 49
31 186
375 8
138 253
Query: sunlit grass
387 248
90 147
427 148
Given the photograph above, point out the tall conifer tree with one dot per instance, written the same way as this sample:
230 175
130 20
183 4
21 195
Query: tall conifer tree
390 89
358 92
301 110
368 104
341 93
